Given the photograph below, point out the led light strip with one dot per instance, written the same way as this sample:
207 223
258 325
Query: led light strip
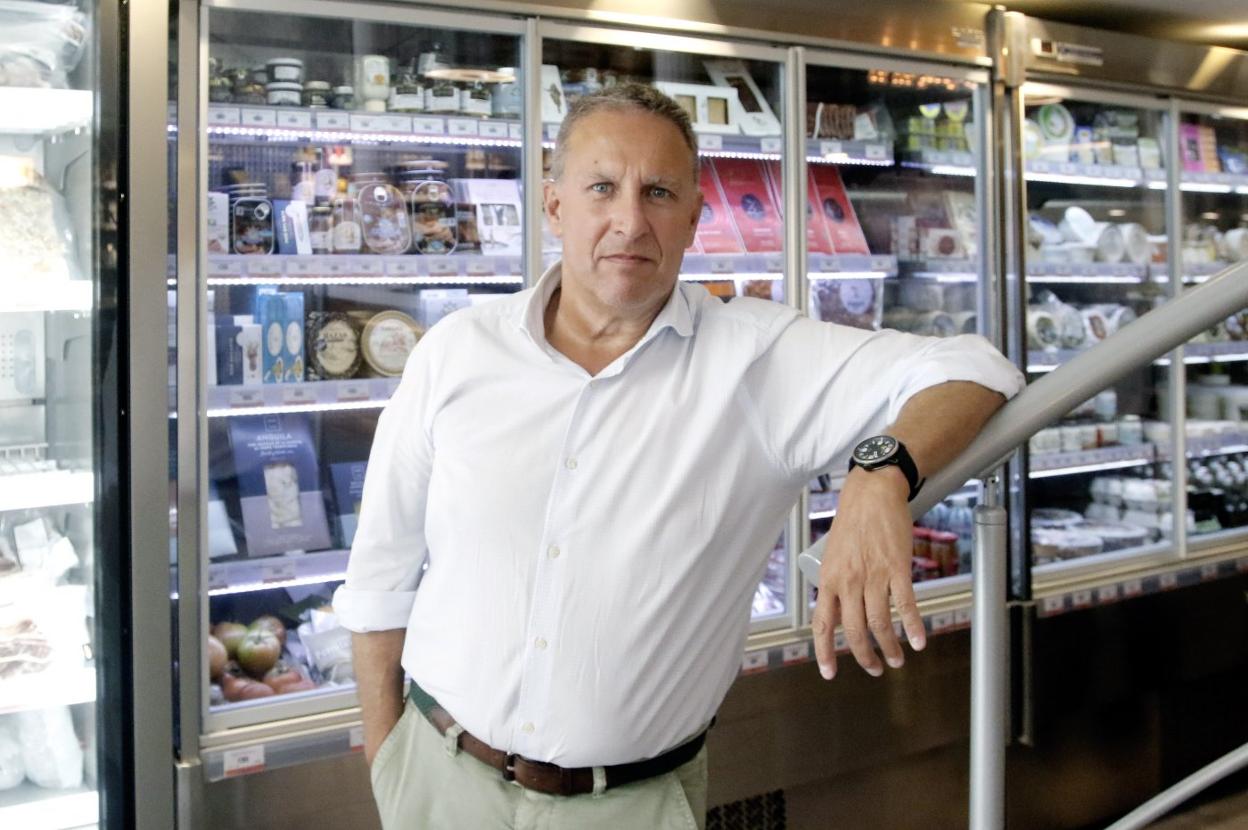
845 158
1102 181
248 587
739 154
732 276
345 137
946 276
1115 279
940 169
413 280
1091 468
822 514
847 275
1205 187
342 406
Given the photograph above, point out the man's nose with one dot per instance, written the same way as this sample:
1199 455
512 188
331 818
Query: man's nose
628 215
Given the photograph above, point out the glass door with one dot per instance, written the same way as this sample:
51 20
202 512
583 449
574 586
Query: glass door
893 233
733 94
362 181
1099 481
1213 159
58 248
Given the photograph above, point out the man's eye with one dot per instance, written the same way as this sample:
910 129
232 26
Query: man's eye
601 187
660 192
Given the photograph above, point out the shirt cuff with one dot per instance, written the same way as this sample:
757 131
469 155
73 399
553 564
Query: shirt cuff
364 611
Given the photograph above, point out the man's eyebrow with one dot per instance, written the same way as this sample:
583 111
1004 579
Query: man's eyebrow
666 181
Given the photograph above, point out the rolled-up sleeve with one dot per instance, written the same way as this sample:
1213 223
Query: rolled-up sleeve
389 550
820 388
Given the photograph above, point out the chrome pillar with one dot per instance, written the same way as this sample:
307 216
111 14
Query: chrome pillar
989 662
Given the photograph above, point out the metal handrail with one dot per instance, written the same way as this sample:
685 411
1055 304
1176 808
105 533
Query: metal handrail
1058 392
1165 801
1041 403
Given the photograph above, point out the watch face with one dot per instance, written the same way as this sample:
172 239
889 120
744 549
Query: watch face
874 450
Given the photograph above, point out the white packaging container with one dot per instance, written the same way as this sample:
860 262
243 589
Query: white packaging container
284 70
284 93
372 81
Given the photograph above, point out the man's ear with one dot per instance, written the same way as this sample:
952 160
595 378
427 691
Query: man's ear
552 207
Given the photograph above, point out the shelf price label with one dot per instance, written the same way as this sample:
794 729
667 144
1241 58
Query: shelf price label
264 267
428 126
796 653
461 126
831 148
243 761
394 123
721 266
443 267
1209 571
365 123
754 661
246 397
493 129
367 267
1168 581
941 622
298 395
1081 599
480 267
1052 605
710 141
225 268
355 738
962 617
877 152
258 118
295 120
515 132
223 116
333 121
403 267
770 145
1132 588
278 572
353 391
1107 593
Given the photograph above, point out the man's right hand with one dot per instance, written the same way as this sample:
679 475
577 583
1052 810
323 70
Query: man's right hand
379 684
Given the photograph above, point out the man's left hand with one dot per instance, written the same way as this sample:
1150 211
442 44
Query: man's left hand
866 561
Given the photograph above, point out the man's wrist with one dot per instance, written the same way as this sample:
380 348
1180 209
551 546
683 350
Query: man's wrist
889 478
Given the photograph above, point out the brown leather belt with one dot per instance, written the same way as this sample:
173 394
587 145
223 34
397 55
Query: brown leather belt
550 778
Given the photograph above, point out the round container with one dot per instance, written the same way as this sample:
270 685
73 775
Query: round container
344 98
442 97
1048 517
333 345
285 70
1050 545
285 94
432 212
384 218
388 339
317 94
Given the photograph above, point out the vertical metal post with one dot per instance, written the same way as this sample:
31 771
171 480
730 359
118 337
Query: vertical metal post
531 153
989 663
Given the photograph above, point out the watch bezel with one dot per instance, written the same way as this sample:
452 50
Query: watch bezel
870 464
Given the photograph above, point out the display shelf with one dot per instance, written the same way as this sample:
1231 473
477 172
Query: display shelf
940 162
697 267
30 807
241 576
52 687
1100 175
309 396
850 266
831 151
1216 352
1047 465
70 295
1228 442
43 111
1208 182
939 269
27 491
365 269
1089 273
713 145
302 124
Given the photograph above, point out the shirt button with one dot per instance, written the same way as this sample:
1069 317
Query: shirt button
553 551
540 643
570 463
527 729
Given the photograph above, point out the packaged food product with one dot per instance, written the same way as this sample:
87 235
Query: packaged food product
334 346
384 220
285 70
252 229
284 93
388 339
347 236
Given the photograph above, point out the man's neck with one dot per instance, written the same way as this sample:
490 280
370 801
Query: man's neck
589 335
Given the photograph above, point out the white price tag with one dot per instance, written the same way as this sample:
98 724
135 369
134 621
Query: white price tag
298 395
1051 605
428 126
302 267
1081 599
754 661
355 737
480 267
940 622
722 266
1107 593
1132 588
264 266
492 129
368 267
217 579
515 266
403 266
770 145
443 267
830 148
514 131
774 264
278 572
461 126
246 397
1209 571
1168 581
223 116
294 119
353 390
394 123
225 268
244 761
258 118
364 123
962 617
710 142
333 121
796 653
877 152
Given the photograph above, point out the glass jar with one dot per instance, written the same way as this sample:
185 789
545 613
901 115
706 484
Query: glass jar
476 100
316 94
344 98
320 230
384 219
284 93
346 236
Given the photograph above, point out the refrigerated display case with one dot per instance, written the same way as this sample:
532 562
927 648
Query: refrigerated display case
896 211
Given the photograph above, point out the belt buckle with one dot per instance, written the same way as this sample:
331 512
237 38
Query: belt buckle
509 768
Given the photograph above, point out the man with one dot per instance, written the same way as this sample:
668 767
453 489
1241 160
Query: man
594 471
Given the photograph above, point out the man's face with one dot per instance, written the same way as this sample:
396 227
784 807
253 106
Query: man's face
626 206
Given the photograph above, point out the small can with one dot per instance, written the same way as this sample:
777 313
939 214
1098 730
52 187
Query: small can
284 94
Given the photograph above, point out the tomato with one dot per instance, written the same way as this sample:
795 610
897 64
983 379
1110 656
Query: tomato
230 634
259 651
217 657
272 623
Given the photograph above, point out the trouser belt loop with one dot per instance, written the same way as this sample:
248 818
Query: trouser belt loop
450 741
600 781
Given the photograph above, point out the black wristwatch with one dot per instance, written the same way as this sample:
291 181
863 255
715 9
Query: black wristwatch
882 450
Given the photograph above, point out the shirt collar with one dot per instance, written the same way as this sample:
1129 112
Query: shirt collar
676 313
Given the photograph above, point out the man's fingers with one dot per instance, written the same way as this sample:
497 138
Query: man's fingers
854 624
908 609
823 627
880 621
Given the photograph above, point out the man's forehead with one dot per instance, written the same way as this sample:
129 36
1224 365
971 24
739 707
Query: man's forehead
595 142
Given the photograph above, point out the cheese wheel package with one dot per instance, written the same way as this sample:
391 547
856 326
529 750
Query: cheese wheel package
333 346
835 211
716 234
744 185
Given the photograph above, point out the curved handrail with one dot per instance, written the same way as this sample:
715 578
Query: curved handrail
1057 393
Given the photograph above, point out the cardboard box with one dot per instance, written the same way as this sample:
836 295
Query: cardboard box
716 233
744 185
836 212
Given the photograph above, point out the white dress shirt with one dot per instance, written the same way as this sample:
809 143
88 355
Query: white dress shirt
594 542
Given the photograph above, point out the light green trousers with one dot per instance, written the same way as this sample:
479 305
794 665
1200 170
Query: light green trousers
422 782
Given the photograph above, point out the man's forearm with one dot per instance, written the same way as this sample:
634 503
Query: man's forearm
379 683
941 421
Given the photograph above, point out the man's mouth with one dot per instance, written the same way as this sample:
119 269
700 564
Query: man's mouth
628 258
